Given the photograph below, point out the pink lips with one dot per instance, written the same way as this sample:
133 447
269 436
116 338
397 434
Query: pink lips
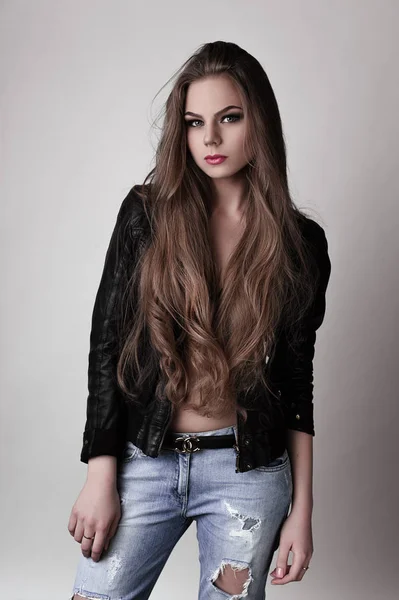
215 159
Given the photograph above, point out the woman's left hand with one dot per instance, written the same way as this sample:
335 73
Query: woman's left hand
296 536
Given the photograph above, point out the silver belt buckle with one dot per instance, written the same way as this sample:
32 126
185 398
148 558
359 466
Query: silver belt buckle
187 444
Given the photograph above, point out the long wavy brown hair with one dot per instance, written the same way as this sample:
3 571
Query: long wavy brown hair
222 332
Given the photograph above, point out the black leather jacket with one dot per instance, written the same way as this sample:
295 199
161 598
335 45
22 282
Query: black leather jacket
111 420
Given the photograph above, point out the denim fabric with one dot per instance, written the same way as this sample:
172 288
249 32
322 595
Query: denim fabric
238 515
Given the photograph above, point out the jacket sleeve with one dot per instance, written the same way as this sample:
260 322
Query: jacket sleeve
103 432
296 384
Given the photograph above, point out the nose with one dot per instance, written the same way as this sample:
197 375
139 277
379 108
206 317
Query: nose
211 136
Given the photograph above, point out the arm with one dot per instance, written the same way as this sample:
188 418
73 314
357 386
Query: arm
96 512
297 383
296 387
300 450
103 436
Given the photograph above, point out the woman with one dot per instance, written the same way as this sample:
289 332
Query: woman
200 368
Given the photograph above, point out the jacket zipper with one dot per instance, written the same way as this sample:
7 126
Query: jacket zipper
236 447
165 428
237 458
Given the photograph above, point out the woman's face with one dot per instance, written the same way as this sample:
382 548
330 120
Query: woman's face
212 128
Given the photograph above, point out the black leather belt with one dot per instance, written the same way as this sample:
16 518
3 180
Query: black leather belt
192 443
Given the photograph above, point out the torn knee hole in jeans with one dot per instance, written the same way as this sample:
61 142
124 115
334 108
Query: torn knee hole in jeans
235 565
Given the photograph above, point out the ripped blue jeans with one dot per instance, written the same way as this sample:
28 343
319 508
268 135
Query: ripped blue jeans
238 516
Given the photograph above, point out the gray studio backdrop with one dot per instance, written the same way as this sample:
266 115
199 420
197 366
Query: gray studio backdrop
77 84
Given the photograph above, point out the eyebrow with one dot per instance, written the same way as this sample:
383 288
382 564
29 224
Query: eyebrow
217 113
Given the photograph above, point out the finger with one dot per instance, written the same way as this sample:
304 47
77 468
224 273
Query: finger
293 571
297 565
303 570
72 523
112 531
79 530
98 544
282 562
282 580
113 527
87 541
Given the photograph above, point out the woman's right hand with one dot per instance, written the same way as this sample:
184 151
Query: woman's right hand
96 513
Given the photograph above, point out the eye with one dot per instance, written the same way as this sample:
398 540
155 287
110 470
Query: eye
235 118
190 123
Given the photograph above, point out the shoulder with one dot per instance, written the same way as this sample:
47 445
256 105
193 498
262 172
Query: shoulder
316 241
311 231
132 210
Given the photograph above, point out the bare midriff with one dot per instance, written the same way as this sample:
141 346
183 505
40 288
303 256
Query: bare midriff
186 419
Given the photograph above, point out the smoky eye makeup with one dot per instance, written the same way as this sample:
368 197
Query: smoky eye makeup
236 116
